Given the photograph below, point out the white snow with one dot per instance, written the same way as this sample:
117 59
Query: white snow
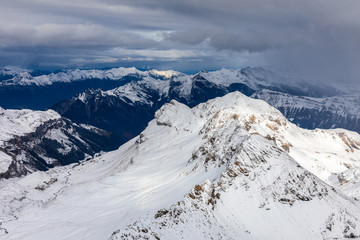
345 105
255 78
5 161
137 91
252 77
182 83
15 123
166 74
20 122
24 77
183 147
59 136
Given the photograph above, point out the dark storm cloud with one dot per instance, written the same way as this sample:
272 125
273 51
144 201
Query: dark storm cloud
317 39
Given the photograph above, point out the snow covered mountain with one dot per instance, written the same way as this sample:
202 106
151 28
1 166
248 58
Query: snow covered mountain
258 78
25 78
127 109
331 112
44 90
39 140
230 168
38 91
254 78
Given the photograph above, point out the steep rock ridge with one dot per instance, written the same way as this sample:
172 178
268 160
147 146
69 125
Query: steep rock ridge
259 176
127 110
149 95
330 112
210 171
257 185
39 140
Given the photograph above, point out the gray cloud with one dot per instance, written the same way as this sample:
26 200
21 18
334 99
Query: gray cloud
314 38
71 36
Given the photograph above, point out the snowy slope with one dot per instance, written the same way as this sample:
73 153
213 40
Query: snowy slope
141 92
127 109
21 122
15 123
38 140
228 168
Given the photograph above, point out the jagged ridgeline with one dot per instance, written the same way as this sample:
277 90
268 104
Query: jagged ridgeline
230 168
123 112
126 110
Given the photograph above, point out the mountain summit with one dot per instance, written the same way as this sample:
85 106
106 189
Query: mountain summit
230 168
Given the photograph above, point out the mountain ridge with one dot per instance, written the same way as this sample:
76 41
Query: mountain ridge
40 140
202 170
24 77
329 112
147 95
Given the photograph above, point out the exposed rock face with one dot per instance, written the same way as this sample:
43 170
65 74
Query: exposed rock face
230 168
128 109
28 146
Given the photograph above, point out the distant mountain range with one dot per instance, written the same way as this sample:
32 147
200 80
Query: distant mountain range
328 112
127 109
167 155
17 86
102 120
21 88
18 76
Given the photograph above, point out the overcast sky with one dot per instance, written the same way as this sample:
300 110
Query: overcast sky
315 39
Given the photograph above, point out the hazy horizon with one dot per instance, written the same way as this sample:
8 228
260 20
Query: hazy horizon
317 40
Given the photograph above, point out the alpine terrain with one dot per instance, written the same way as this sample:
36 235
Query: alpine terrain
328 112
21 88
231 168
39 140
127 109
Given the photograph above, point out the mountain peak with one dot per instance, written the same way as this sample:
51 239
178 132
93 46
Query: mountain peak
202 170
173 114
165 74
238 102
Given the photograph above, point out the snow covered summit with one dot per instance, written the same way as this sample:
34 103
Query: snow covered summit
230 168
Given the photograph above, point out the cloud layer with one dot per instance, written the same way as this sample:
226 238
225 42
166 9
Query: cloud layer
315 39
